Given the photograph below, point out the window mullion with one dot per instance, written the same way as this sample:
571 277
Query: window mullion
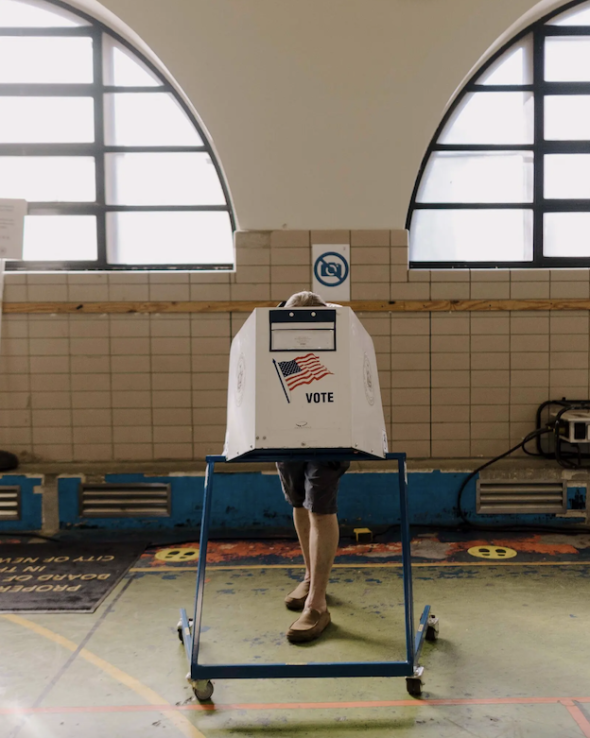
99 142
538 160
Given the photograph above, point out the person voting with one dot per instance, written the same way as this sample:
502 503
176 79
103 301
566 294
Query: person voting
303 378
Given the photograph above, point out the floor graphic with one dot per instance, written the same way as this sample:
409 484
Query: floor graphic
437 548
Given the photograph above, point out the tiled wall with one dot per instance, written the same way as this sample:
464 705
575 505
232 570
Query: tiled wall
148 387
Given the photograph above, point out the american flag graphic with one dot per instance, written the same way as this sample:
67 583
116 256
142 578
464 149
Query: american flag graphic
302 370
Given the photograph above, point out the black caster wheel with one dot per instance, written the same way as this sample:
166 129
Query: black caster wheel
204 690
414 686
431 629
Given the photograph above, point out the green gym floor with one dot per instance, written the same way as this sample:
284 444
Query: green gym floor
512 658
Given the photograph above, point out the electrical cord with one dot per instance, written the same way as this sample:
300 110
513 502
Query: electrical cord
466 523
461 513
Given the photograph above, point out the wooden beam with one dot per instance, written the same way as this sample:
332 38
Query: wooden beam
359 306
121 308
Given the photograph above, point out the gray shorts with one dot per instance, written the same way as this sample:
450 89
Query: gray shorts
312 484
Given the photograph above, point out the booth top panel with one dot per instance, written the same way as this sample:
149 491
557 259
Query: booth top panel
304 378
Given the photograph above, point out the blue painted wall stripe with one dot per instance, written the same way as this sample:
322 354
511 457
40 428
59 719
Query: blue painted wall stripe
255 500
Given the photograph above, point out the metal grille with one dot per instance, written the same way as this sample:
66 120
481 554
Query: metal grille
520 497
10 503
125 500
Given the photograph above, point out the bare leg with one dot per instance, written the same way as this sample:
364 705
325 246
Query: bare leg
323 543
302 525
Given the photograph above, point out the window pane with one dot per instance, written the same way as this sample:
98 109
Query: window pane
567 59
567 176
123 68
567 117
491 118
566 234
38 60
162 179
579 16
514 67
60 238
46 120
48 178
169 238
147 119
471 235
462 176
31 14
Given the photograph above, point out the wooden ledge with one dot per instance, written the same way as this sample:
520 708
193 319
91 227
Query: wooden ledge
359 306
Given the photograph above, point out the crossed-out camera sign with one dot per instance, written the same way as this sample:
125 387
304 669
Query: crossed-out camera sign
331 271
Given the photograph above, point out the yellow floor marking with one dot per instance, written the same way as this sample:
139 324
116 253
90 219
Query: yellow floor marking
492 552
149 695
387 565
177 554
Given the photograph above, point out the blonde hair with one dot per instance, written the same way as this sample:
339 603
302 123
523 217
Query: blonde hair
305 299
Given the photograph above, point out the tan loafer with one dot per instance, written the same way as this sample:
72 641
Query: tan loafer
295 600
309 626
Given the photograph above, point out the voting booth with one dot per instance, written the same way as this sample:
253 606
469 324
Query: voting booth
303 385
303 378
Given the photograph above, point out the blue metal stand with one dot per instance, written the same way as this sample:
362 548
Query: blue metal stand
190 632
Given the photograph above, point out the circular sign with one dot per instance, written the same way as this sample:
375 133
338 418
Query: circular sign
368 381
492 552
331 269
240 379
177 554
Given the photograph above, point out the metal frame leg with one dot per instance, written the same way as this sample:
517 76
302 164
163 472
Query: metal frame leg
203 543
191 634
414 641
406 560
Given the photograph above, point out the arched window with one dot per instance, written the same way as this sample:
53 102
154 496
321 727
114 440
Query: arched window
116 169
506 179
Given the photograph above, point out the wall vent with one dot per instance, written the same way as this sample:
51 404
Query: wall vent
125 500
519 497
10 503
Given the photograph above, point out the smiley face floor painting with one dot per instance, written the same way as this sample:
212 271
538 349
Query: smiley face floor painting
511 658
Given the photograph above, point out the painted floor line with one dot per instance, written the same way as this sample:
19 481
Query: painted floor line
71 659
387 565
578 716
568 702
148 694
